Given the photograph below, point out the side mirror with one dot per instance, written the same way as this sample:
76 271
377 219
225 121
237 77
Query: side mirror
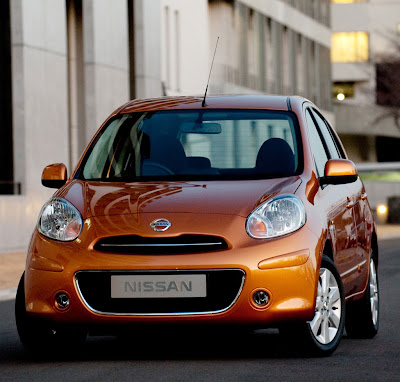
339 171
54 176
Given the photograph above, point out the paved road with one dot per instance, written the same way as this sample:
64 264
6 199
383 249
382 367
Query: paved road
257 357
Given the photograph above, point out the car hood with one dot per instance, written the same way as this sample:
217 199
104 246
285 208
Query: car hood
215 197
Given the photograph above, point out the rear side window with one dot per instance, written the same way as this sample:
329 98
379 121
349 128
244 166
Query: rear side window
317 146
331 145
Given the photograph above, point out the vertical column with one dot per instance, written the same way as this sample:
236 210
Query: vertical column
305 60
39 110
261 52
17 85
6 131
177 51
91 122
326 6
131 41
311 69
270 72
148 48
243 44
276 31
285 61
167 47
327 78
106 60
292 46
76 100
40 90
317 73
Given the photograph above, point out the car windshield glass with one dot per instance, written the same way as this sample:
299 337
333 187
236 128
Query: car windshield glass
190 145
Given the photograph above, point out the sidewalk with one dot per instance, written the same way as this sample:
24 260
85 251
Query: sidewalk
12 264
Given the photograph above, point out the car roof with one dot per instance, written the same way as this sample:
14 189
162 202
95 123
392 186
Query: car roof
268 102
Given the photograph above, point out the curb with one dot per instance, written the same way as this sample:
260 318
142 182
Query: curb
8 294
388 237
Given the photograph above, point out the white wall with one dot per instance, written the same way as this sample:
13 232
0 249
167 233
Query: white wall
106 60
384 16
40 96
185 49
40 114
147 19
376 17
359 115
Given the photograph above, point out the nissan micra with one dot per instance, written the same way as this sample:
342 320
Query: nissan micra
242 210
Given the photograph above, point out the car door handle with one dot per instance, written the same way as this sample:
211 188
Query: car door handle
364 196
350 204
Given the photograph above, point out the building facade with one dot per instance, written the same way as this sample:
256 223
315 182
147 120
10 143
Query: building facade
67 64
365 44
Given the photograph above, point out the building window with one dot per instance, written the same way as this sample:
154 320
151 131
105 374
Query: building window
387 84
343 90
348 1
350 47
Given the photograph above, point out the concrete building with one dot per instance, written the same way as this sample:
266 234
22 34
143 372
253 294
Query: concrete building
278 47
365 37
67 64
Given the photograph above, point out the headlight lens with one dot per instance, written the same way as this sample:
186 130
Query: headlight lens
60 220
276 217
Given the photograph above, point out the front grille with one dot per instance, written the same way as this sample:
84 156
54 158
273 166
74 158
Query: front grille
135 244
223 288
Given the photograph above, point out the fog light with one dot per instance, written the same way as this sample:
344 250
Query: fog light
261 298
62 300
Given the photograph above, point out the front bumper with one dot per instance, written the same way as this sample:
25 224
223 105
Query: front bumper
286 268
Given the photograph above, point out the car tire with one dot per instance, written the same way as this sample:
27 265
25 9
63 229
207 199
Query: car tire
363 315
321 336
41 337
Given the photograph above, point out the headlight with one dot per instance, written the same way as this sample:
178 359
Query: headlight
276 217
60 220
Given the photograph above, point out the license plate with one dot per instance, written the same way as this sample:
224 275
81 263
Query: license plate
158 286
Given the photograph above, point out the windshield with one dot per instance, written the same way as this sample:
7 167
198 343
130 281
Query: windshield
190 145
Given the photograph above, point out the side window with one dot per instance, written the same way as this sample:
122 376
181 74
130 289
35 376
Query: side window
331 145
317 147
336 140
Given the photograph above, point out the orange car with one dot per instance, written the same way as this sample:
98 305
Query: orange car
243 210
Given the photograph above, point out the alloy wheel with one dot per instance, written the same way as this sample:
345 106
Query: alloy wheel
373 289
328 312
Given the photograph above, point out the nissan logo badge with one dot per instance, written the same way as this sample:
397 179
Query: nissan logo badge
160 225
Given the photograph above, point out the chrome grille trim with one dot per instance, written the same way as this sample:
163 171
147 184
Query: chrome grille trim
161 245
136 244
161 314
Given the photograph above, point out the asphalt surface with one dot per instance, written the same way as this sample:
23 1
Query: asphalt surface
189 356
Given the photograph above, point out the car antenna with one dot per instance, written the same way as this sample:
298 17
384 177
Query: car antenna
212 63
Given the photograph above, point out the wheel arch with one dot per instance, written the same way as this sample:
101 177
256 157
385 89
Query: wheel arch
374 247
328 251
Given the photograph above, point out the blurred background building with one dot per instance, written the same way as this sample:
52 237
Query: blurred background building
366 77
67 64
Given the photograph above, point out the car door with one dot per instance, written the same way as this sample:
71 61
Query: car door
335 200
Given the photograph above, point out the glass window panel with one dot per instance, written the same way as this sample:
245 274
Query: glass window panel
217 144
350 47
334 154
317 147
348 1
